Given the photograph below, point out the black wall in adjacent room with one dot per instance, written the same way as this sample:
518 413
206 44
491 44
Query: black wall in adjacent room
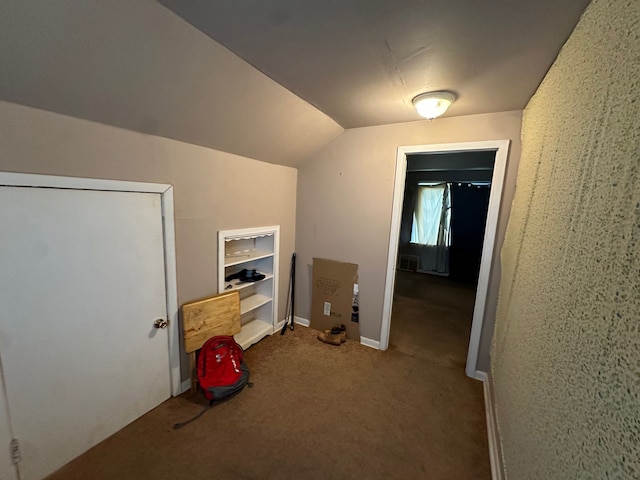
469 205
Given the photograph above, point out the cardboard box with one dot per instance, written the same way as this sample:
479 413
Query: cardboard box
332 296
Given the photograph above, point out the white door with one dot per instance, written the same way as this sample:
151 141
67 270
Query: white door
7 469
82 280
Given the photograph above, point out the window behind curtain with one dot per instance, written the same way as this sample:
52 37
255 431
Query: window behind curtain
432 208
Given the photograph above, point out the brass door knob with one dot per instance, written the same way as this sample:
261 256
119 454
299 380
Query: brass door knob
161 323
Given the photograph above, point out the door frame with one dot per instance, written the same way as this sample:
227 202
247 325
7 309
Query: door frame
168 233
501 147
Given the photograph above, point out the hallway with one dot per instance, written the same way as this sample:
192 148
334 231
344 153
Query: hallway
432 318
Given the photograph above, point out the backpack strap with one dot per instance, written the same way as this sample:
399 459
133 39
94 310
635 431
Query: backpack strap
177 426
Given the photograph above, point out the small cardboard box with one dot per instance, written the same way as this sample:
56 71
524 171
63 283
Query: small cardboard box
332 296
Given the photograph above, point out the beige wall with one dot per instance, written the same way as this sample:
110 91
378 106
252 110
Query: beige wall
212 190
566 358
345 197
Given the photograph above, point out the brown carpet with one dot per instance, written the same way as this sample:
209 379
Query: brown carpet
316 411
432 318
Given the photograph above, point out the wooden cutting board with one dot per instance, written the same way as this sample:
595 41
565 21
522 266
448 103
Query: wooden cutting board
219 315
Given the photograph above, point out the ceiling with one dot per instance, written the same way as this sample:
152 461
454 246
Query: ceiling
273 80
136 65
362 61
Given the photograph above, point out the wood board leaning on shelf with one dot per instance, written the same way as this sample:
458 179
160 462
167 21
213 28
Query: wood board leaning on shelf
217 315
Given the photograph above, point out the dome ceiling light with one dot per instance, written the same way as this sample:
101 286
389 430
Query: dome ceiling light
433 104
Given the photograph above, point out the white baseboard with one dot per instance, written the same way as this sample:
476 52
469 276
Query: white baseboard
495 451
480 375
185 385
367 342
297 320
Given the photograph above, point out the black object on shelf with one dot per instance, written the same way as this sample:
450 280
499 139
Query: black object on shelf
245 276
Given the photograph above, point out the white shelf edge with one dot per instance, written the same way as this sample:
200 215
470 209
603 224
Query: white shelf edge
252 302
240 286
244 258
252 231
252 332
252 236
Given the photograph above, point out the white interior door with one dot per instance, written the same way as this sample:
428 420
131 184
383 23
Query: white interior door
7 469
82 280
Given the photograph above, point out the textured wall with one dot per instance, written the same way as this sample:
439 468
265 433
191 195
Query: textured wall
566 353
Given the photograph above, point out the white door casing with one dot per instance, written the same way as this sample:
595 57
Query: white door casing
501 147
80 354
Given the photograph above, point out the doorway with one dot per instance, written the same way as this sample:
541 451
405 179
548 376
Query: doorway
444 214
500 148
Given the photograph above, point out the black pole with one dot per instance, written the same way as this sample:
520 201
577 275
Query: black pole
293 290
290 296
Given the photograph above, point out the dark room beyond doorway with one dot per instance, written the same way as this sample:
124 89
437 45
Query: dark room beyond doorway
444 216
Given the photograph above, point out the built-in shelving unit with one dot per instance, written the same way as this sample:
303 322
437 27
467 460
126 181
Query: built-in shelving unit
251 249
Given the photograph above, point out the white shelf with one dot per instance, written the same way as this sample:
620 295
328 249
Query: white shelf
254 249
239 286
253 332
252 302
240 258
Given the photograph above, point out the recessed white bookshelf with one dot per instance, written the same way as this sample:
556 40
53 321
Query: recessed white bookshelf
251 249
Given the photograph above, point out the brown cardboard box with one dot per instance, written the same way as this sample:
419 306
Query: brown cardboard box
332 296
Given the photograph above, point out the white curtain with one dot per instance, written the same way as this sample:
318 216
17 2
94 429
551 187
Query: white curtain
430 231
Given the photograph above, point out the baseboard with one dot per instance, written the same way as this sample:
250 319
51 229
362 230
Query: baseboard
367 342
480 375
495 451
185 385
297 320
363 340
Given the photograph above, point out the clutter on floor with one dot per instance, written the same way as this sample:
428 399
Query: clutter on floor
209 326
334 336
217 315
332 298
317 412
221 372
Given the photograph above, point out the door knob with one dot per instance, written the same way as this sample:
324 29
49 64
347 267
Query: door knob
161 323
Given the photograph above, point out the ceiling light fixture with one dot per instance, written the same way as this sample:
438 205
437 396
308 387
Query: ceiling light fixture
433 104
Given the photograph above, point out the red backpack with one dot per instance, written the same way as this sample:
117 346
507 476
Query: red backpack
221 370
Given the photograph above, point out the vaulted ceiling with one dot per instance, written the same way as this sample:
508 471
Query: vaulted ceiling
274 80
362 61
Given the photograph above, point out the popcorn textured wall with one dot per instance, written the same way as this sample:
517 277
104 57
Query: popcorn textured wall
566 351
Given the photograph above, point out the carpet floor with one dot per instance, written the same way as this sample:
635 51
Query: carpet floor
318 411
